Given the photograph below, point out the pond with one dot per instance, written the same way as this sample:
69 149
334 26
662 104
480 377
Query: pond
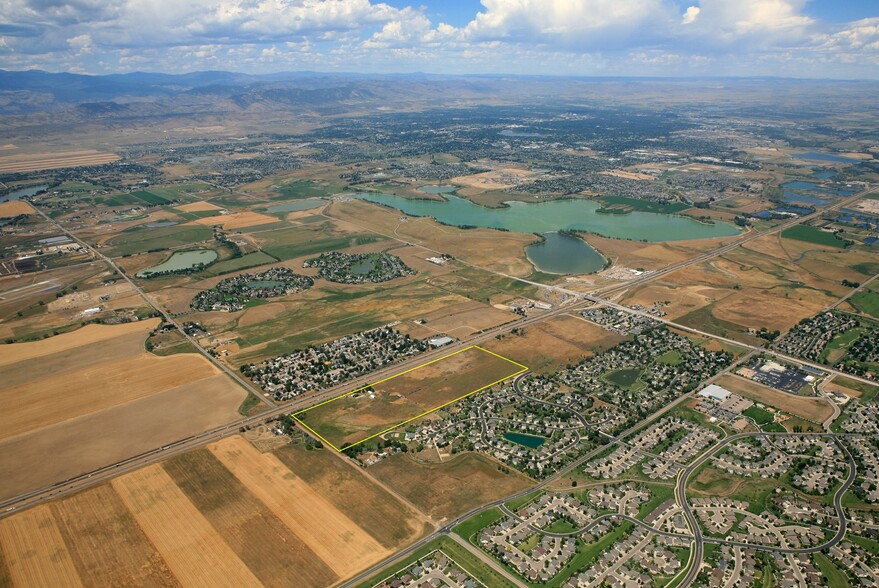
363 267
811 192
296 206
530 441
564 254
575 214
443 189
23 193
180 261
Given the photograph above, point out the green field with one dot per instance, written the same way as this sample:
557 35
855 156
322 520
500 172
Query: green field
813 235
150 197
760 416
239 263
476 523
866 301
306 189
617 202
139 240
835 577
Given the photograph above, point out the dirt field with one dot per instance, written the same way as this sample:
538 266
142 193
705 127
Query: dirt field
235 220
197 207
363 414
447 490
14 208
810 408
464 319
35 162
552 344
344 546
195 553
494 180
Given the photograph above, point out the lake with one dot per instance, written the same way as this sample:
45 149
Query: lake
296 206
445 189
811 193
22 193
181 260
829 157
363 267
530 441
546 217
564 254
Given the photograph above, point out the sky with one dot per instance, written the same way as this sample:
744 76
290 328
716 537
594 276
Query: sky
667 38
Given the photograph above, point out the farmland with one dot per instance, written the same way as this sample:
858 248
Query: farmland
218 515
27 162
98 384
382 406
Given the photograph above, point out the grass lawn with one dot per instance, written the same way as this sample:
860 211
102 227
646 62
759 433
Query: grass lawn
811 234
834 350
835 577
476 523
658 495
672 357
138 240
239 263
561 526
867 301
518 503
760 416
642 205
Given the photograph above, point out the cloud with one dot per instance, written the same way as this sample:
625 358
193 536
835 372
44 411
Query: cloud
690 15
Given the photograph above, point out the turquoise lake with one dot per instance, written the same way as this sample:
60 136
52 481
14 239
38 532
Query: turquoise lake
558 215
530 441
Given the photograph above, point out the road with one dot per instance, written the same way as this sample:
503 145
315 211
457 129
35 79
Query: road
698 539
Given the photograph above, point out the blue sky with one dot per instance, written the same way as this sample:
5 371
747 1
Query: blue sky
794 38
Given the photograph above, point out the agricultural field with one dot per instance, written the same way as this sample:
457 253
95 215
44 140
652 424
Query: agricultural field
814 235
100 386
28 162
811 408
214 516
380 407
449 489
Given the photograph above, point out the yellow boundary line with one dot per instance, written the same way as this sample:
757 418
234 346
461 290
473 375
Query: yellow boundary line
295 415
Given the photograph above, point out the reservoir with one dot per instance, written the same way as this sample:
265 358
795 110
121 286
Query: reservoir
558 215
22 193
181 260
564 254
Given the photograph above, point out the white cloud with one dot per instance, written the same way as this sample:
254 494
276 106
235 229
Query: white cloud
690 15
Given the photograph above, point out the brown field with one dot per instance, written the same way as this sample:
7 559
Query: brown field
197 207
235 220
195 553
497 250
464 319
344 546
493 180
372 506
273 552
361 415
447 490
99 385
628 175
65 395
105 542
810 408
552 344
87 335
226 515
116 433
34 550
39 161
14 208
